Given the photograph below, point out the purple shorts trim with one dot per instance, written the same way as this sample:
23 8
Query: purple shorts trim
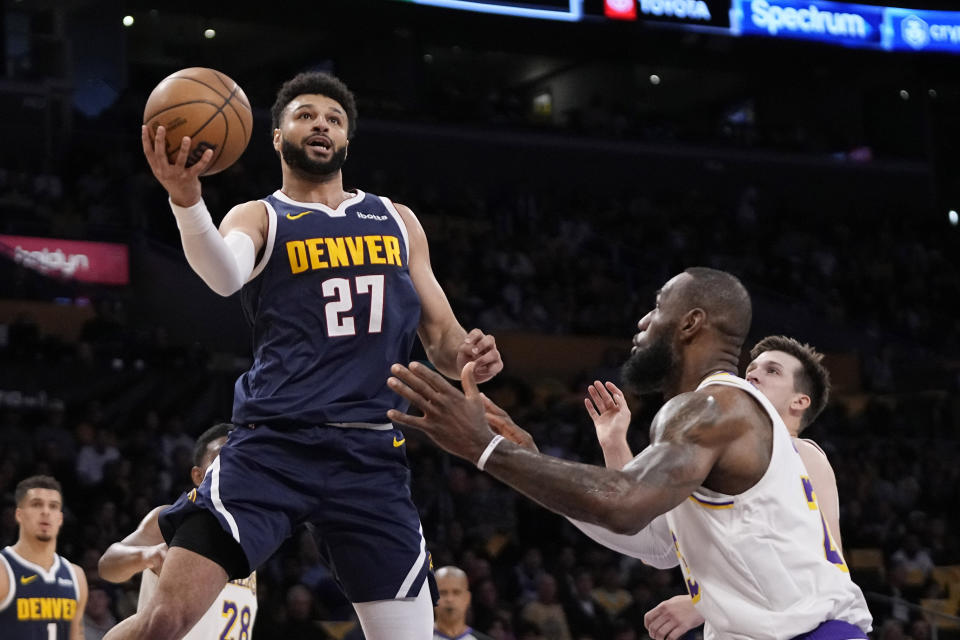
834 630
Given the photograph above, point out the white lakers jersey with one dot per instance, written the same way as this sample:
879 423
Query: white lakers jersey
230 616
762 564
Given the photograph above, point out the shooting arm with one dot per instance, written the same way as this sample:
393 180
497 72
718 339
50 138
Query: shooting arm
224 259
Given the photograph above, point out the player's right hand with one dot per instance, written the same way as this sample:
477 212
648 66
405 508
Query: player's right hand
672 618
608 409
180 181
154 556
501 423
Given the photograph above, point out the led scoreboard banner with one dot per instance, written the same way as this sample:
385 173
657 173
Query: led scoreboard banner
568 10
852 25
825 21
709 13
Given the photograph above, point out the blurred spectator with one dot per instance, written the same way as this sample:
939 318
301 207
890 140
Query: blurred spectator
96 450
546 612
97 618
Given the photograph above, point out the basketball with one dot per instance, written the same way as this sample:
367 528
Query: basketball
207 106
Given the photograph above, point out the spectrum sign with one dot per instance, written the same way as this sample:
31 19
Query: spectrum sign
851 25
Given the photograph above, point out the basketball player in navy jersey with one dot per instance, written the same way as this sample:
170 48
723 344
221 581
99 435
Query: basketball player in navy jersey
42 594
336 284
720 491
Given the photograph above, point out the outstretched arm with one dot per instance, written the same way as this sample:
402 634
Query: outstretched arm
448 345
224 259
688 440
142 549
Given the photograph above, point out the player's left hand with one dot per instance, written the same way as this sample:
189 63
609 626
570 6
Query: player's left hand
672 618
455 421
480 348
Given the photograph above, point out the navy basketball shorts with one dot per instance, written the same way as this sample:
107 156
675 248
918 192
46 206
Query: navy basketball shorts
353 484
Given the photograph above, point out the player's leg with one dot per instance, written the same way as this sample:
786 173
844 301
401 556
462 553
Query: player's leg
369 533
188 585
407 619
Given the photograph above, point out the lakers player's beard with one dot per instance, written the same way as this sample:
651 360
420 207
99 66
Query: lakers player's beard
298 160
647 368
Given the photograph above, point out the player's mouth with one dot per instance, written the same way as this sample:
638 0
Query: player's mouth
320 143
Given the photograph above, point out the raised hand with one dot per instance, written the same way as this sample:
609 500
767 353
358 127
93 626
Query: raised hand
180 181
611 418
480 348
609 412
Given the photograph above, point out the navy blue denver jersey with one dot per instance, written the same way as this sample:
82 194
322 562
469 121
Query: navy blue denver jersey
40 604
332 306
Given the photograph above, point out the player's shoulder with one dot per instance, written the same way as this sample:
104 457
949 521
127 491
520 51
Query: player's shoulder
813 456
692 414
811 446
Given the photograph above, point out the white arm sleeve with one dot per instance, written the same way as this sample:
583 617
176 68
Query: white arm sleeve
653 544
225 264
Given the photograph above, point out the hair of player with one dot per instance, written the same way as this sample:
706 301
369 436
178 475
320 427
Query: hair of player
220 430
725 300
812 378
319 83
35 482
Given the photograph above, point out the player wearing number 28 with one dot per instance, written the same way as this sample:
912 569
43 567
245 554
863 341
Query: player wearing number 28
143 551
42 595
336 285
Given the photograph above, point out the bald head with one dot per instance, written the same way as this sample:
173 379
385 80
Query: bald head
699 323
722 296
452 573
454 591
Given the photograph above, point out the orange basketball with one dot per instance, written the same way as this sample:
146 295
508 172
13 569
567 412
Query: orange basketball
207 106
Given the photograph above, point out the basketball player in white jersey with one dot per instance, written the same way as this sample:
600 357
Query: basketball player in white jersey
721 490
233 612
792 377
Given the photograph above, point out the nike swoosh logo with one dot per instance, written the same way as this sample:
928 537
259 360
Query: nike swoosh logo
396 443
27 579
297 216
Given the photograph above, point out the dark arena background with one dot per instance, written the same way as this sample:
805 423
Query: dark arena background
565 158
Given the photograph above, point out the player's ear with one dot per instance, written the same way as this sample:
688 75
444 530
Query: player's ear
800 402
276 140
196 474
692 322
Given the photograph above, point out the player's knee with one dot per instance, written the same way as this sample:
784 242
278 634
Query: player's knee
165 622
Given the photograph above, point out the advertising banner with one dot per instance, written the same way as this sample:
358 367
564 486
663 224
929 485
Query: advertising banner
99 262
851 25
915 30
